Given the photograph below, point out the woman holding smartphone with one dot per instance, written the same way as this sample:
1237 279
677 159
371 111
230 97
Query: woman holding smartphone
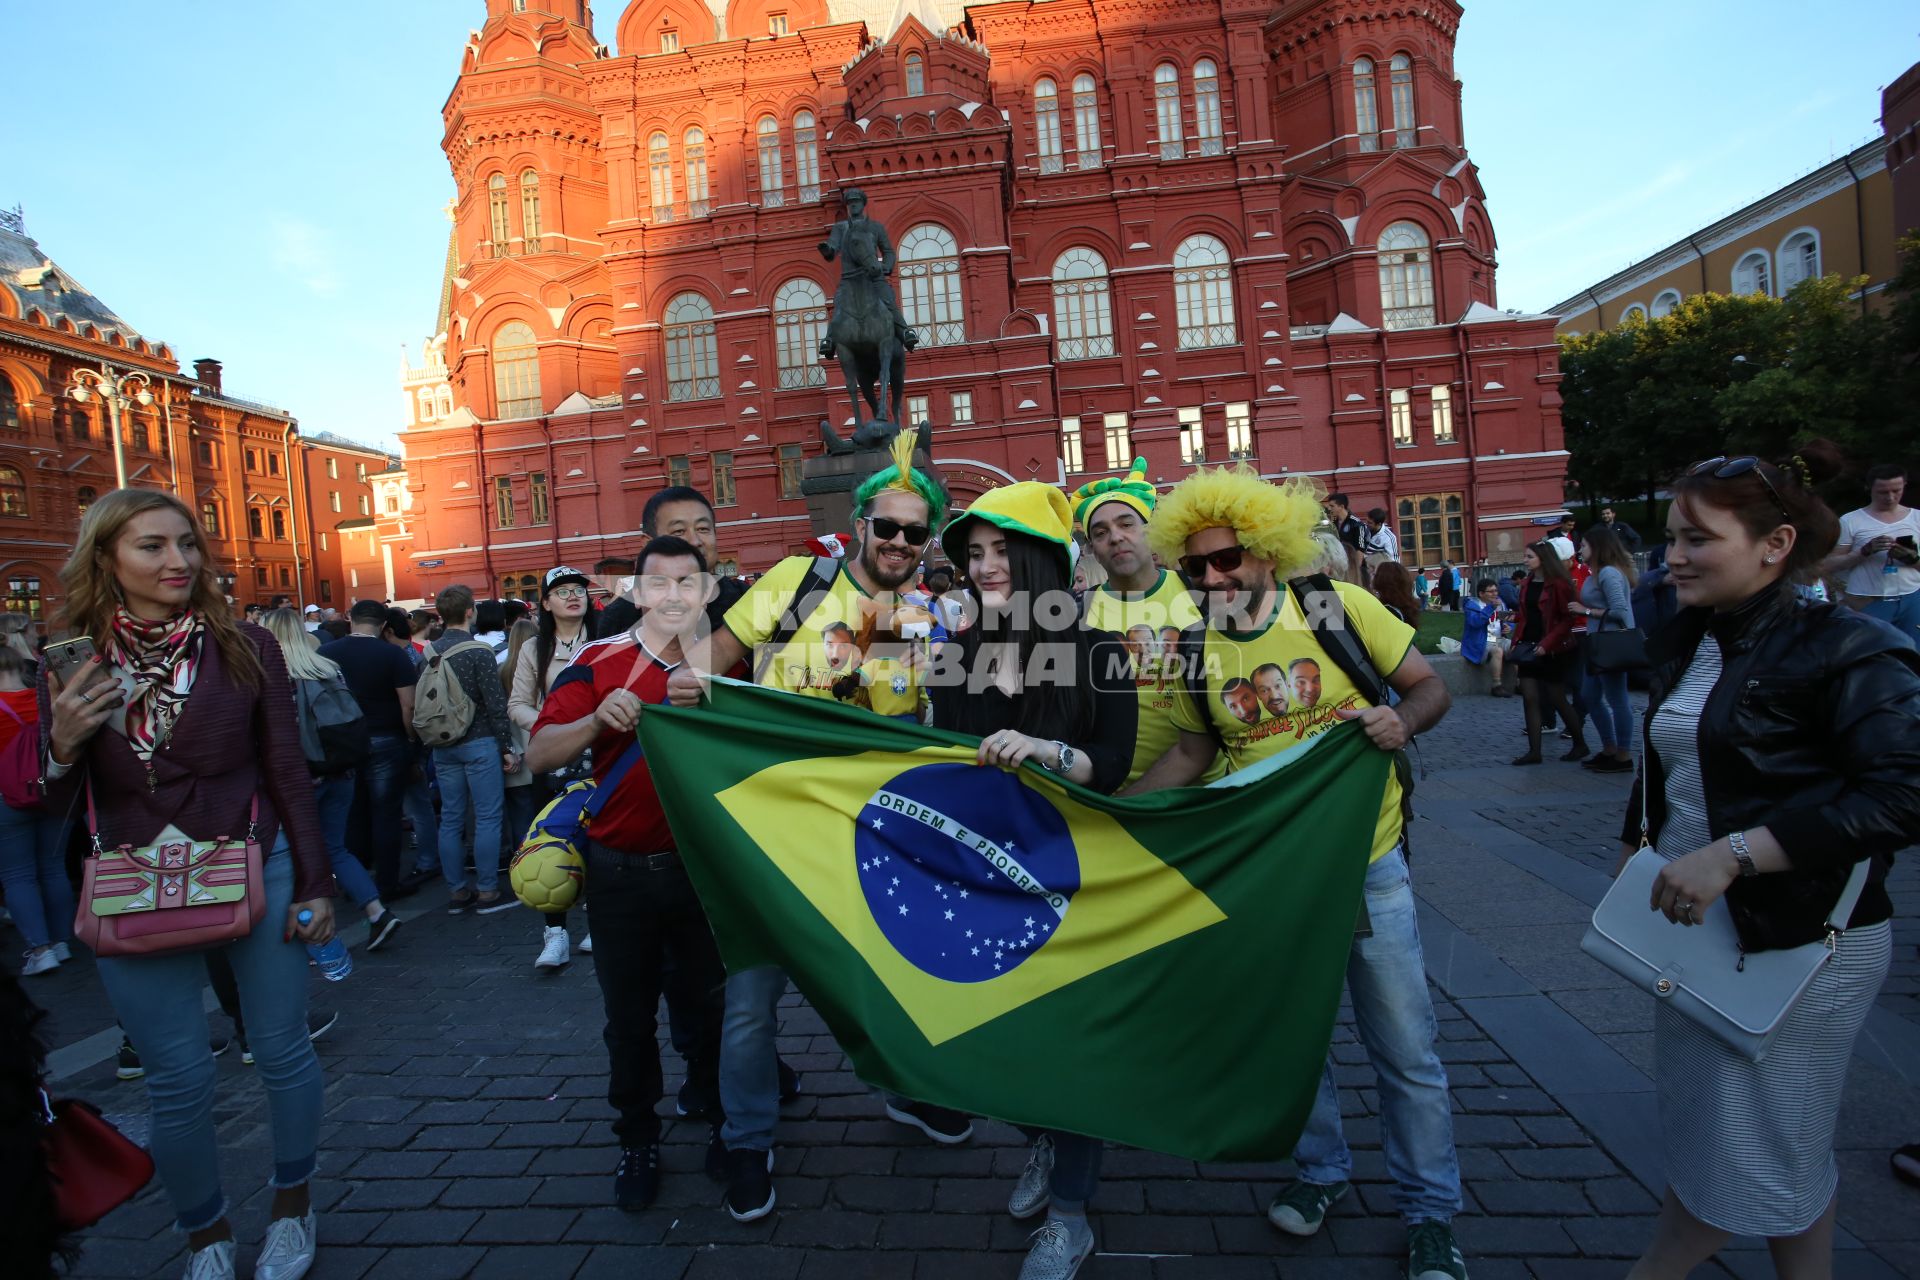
181 725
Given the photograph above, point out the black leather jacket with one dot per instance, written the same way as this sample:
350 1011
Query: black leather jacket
1813 731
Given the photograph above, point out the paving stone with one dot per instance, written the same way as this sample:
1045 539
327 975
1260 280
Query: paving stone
520 1226
618 1262
1532 1197
883 1195
395 1193
489 1193
424 1227
440 1263
396 1164
1554 1131
745 1262
1560 1162
485 1164
547 1261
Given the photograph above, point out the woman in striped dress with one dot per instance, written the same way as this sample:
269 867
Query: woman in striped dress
1782 747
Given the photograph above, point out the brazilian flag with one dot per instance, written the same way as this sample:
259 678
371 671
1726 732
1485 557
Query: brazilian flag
1160 971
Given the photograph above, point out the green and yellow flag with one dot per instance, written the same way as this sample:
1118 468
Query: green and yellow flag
1160 971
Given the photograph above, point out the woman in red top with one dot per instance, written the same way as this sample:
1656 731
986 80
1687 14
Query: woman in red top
1546 624
33 844
183 725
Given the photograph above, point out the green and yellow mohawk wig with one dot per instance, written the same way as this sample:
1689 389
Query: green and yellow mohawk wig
906 478
1274 521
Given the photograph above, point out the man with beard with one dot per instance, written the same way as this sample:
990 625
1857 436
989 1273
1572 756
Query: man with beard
779 628
1270 683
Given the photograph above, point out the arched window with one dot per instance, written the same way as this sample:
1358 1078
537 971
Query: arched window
1634 312
930 285
83 497
693 355
9 406
916 76
1401 71
13 492
1046 125
23 596
1086 120
516 371
530 210
1203 293
806 157
693 155
799 323
770 163
79 425
1366 108
497 213
210 517
1666 303
660 177
1166 110
1206 108
1406 277
1799 259
1082 312
1753 274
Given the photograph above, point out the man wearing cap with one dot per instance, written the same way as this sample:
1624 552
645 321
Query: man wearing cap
1112 514
381 679
1239 539
778 627
310 618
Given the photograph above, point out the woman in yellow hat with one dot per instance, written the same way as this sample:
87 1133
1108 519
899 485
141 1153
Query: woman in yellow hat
1039 688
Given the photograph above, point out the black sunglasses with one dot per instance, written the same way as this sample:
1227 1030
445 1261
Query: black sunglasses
887 530
1225 560
1725 468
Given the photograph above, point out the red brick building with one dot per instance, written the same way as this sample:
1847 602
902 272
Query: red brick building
338 495
1246 229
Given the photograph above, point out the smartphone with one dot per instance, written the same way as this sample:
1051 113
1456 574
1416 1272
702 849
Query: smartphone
1906 540
66 657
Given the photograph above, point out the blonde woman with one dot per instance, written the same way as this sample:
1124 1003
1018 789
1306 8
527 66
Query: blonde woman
140 582
332 791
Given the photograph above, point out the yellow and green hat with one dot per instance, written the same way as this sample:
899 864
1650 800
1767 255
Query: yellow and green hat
1029 507
1133 488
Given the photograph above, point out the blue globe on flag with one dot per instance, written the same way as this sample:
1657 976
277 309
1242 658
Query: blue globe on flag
965 903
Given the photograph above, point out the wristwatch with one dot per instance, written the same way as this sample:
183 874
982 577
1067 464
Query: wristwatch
1063 763
1737 841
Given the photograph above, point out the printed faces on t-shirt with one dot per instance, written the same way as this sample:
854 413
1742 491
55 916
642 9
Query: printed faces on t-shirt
846 648
1149 628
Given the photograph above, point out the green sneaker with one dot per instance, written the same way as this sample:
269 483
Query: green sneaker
1302 1206
1432 1254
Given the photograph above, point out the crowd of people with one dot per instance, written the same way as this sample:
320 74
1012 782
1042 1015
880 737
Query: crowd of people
1252 615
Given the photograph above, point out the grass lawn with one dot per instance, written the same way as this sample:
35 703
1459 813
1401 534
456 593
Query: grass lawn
1433 625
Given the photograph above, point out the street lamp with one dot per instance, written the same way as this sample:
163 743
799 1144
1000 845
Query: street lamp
118 391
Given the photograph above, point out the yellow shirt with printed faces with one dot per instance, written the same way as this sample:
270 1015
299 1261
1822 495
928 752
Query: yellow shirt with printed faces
823 659
1149 625
1274 686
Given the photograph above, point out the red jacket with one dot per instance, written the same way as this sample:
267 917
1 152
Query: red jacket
1557 624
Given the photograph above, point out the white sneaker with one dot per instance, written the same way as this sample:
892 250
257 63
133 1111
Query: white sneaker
1034 1189
215 1262
586 944
287 1252
41 961
553 949
62 952
1058 1249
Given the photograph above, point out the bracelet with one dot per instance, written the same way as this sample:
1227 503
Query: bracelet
1737 841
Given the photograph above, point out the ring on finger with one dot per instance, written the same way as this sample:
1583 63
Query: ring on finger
85 696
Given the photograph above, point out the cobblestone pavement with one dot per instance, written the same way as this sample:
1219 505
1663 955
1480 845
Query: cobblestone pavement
466 1133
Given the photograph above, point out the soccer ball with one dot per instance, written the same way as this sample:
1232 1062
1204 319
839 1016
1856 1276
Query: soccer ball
547 874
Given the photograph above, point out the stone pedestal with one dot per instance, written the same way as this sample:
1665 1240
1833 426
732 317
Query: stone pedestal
827 483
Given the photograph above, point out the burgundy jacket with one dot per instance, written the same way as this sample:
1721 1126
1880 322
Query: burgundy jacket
1558 635
228 744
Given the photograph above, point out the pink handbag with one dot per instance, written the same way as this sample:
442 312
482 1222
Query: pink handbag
181 895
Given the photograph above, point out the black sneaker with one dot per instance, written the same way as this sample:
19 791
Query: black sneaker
943 1125
128 1067
789 1081
318 1027
380 929
696 1099
749 1184
218 1044
636 1183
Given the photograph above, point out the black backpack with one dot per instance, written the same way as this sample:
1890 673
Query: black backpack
333 730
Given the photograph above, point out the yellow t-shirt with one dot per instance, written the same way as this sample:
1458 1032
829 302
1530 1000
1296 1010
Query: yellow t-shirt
1150 625
823 660
1273 687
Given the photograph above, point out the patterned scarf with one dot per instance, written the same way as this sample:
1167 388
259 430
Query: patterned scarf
163 658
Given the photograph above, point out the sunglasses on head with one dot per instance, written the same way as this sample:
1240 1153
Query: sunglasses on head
1225 560
887 530
1725 468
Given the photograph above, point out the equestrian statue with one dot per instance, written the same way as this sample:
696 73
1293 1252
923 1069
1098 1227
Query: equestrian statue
868 335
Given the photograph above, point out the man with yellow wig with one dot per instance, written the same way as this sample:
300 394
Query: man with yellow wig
792 627
1239 540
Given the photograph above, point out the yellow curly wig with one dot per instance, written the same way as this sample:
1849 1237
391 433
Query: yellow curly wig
1274 521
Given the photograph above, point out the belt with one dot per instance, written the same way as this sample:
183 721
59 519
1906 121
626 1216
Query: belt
617 860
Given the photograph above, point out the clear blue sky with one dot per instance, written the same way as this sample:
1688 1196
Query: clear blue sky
263 182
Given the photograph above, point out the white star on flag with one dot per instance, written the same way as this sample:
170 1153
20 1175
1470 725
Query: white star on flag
903 908
949 915
877 824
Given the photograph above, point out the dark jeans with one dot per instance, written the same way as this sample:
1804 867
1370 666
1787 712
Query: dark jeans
642 916
379 786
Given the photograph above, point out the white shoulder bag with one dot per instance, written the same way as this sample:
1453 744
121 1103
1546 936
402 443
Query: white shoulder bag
1742 998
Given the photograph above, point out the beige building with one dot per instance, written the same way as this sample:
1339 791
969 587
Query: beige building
1836 220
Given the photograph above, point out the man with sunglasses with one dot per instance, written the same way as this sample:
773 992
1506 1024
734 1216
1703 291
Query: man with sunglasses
1237 537
779 627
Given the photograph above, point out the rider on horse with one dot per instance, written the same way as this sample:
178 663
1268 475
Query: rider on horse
866 266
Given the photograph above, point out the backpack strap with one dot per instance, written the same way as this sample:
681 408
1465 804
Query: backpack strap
815 583
1193 673
1326 616
603 791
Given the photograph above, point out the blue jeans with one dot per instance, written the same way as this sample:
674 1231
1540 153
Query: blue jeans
1393 1013
378 788
469 773
335 797
158 1000
33 870
749 1061
1605 696
1902 611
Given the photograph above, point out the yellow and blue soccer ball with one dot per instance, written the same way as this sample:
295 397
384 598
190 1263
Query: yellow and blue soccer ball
548 873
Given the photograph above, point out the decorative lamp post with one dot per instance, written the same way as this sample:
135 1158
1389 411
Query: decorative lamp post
118 391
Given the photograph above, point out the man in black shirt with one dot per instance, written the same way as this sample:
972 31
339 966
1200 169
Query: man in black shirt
678 512
381 678
1345 523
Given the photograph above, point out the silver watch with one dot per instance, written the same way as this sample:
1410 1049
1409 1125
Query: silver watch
1737 841
1064 764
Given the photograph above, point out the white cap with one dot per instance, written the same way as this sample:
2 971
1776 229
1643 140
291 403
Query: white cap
1562 547
312 608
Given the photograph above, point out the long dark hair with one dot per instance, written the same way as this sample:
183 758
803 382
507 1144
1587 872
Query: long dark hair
1552 567
1608 550
1061 708
549 638
1393 587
